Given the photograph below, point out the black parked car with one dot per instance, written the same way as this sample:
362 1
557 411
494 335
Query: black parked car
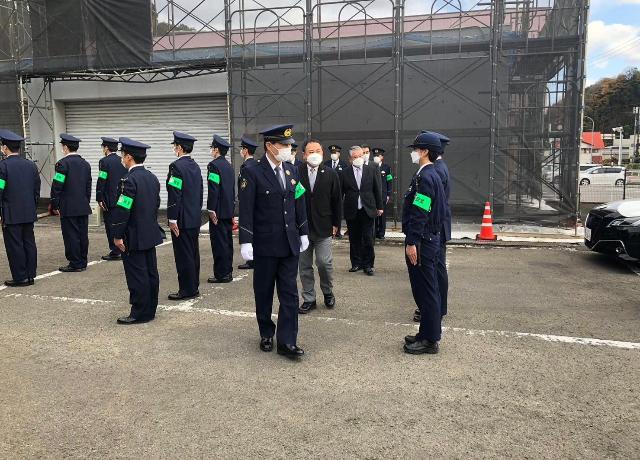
614 228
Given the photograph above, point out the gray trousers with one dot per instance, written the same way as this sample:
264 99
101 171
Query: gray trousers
324 262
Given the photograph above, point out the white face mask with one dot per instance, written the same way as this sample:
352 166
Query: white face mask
358 162
292 160
366 157
415 157
335 156
314 159
377 160
284 154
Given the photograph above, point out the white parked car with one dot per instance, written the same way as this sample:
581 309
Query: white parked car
603 175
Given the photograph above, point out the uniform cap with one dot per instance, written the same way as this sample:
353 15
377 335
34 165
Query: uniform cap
220 143
335 148
377 151
135 148
110 143
10 139
282 134
444 140
428 141
248 143
69 140
183 139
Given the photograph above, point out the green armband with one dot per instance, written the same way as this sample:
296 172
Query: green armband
175 182
103 175
3 184
59 177
300 190
125 202
215 178
389 177
422 201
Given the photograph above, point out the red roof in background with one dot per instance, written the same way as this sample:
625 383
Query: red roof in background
594 139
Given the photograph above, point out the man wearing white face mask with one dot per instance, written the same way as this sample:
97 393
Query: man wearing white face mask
324 203
362 200
273 232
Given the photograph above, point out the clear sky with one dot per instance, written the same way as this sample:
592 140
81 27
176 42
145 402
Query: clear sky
613 38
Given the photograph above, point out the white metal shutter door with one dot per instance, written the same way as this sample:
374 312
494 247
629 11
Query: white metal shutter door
150 121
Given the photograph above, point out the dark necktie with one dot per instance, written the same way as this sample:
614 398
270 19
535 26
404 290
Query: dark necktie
280 179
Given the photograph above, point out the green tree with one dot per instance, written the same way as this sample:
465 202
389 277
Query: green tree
610 101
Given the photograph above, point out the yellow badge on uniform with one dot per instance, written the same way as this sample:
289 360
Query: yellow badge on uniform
243 184
288 132
287 172
293 182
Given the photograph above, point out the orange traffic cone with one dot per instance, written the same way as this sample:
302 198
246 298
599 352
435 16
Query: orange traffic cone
486 230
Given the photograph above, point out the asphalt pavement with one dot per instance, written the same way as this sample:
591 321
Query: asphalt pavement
540 359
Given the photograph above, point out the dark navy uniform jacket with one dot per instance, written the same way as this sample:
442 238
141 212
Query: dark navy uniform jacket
19 190
221 188
246 164
135 218
185 193
71 187
387 180
109 175
424 206
443 172
272 219
339 168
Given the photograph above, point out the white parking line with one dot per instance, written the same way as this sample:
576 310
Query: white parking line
188 307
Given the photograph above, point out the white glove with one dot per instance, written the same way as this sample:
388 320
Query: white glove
246 251
304 243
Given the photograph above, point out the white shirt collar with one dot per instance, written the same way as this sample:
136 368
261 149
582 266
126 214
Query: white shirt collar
273 165
185 155
136 166
312 167
71 153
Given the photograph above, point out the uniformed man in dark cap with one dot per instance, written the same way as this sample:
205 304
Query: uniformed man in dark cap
19 194
386 177
273 232
184 211
335 162
247 150
423 212
137 233
110 172
220 203
70 199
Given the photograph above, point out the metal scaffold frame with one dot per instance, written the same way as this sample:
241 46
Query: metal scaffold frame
512 69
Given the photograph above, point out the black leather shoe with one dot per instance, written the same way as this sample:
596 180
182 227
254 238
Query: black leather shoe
369 271
112 257
420 347
70 269
306 307
290 351
179 296
355 268
417 316
131 320
20 283
226 279
329 301
245 266
266 344
409 339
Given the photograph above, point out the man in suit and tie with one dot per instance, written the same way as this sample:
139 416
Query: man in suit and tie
362 198
184 211
110 171
70 199
247 151
19 194
338 166
324 211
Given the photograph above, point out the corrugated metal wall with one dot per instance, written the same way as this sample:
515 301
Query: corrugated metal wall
150 121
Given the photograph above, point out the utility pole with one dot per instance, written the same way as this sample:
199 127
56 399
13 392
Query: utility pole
636 127
620 130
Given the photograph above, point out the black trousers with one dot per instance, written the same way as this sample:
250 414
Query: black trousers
143 281
361 240
108 226
75 233
424 287
443 278
186 252
280 273
381 225
20 243
222 247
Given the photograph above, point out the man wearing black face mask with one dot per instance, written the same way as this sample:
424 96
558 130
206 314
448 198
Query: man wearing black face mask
422 215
